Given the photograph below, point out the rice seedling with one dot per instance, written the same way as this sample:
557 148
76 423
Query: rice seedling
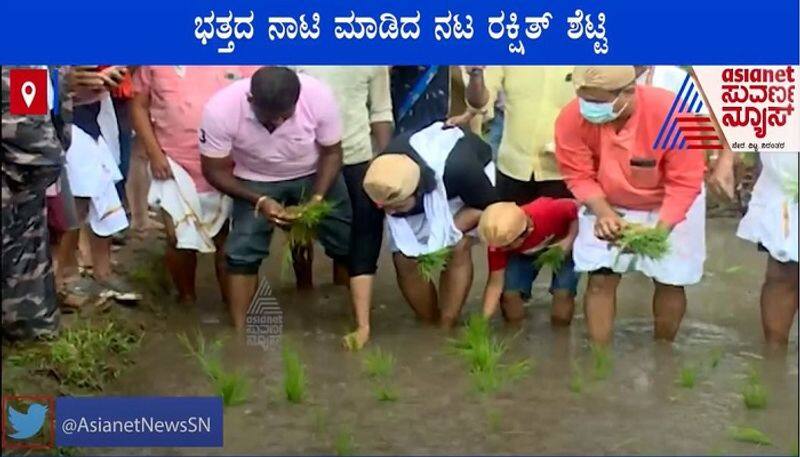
493 419
486 381
378 364
232 387
475 331
576 381
553 258
294 376
602 362
687 378
344 443
750 435
734 269
385 392
430 265
643 241
84 357
794 448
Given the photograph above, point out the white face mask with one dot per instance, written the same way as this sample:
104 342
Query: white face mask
600 112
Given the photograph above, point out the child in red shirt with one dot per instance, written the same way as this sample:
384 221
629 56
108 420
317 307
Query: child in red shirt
529 229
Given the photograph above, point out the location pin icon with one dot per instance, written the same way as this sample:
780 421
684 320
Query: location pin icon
28 92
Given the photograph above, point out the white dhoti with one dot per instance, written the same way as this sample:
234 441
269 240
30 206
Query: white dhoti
197 216
771 218
92 172
681 266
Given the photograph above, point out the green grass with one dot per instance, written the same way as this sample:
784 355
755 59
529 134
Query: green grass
750 435
86 356
344 443
687 378
430 265
378 364
385 392
754 394
643 241
602 362
232 387
294 376
552 258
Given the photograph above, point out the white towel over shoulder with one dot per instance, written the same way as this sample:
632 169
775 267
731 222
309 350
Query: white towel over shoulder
198 217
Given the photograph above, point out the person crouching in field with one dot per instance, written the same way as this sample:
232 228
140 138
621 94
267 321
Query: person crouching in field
771 221
528 230
604 147
432 184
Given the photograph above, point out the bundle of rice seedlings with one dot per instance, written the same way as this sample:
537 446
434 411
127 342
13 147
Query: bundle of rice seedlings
750 435
294 376
431 264
643 241
553 257
303 229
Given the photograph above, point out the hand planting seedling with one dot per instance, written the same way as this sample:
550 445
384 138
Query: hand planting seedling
302 231
750 435
553 258
430 265
651 242
232 387
294 376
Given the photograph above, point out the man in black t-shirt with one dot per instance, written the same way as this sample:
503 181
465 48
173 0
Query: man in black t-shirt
432 185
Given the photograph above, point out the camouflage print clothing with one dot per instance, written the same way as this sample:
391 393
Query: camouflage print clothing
32 157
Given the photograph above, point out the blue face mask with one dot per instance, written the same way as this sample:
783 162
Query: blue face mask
599 112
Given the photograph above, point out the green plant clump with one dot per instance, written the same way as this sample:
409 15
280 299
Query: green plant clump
344 444
602 362
687 377
385 392
430 265
644 241
576 381
294 376
84 357
750 435
303 229
232 387
378 364
553 258
754 394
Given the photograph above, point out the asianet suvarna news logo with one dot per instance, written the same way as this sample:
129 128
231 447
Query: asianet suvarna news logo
755 108
41 422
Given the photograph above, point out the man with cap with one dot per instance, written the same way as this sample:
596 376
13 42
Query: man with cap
528 230
604 146
432 185
267 141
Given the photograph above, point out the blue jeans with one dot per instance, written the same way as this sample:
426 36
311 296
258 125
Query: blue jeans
521 272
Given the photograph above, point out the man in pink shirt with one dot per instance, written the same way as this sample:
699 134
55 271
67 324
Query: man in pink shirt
268 141
166 113
604 147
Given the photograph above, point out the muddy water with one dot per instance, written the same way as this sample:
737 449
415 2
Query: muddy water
638 409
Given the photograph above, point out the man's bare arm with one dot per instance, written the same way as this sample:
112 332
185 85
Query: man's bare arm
328 167
219 173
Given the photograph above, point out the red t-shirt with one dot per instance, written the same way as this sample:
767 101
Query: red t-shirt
551 220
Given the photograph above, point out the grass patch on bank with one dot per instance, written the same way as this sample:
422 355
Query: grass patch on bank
86 356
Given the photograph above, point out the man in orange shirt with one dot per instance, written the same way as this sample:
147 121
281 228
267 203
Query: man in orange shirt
604 147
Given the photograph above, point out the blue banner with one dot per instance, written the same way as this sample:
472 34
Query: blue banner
138 421
697 32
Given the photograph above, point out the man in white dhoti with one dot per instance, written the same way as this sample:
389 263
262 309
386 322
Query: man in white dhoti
166 110
771 221
604 146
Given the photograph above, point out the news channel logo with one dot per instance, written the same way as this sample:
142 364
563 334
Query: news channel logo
264 319
28 422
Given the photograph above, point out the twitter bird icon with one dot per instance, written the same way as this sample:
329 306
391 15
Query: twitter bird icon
29 424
